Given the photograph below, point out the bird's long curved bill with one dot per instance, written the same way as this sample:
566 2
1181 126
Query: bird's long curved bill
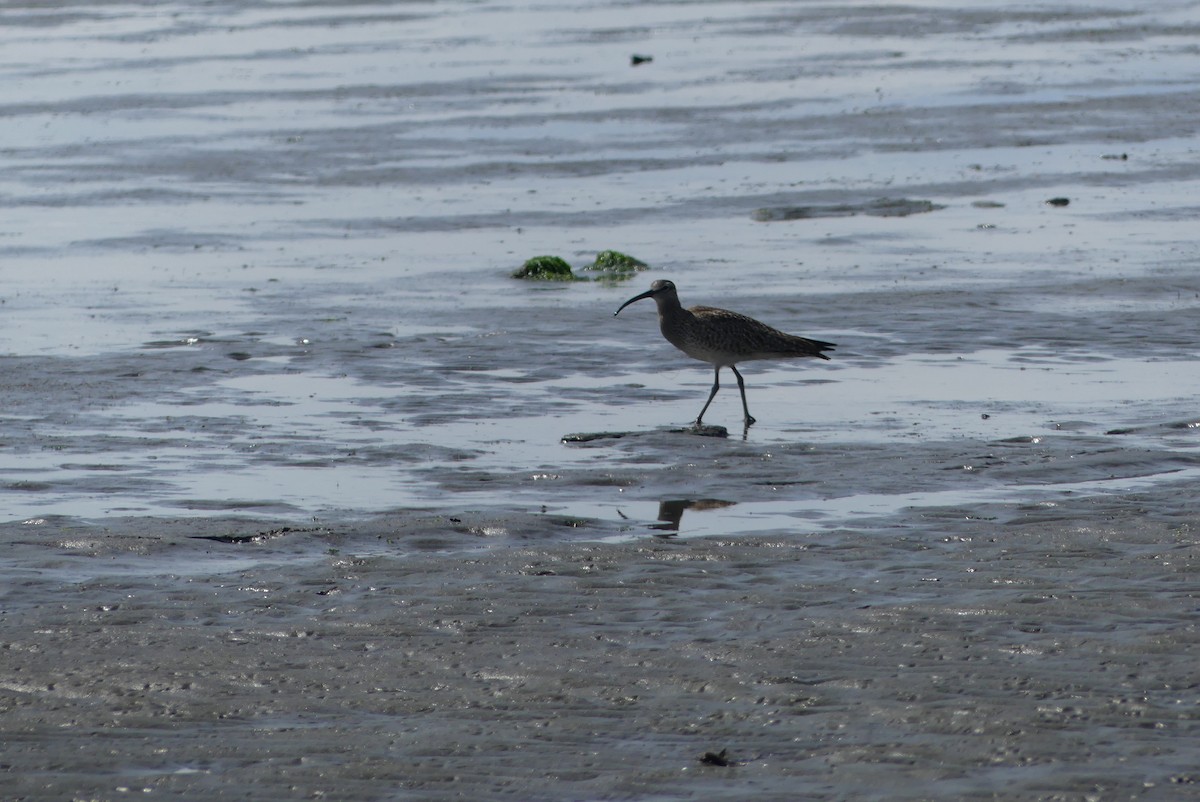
645 294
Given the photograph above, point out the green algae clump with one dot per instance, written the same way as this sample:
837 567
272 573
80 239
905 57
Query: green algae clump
545 268
616 266
617 262
609 266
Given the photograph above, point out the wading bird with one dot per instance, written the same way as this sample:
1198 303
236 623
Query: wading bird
722 338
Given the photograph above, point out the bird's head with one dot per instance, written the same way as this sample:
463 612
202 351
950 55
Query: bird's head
659 289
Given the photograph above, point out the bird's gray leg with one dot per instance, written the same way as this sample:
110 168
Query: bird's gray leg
712 395
742 388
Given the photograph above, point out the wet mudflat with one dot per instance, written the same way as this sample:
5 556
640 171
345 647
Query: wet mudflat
287 507
1046 663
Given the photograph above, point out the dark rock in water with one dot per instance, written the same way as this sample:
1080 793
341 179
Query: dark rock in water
717 758
588 437
257 537
1157 427
545 268
1058 201
636 59
701 431
881 207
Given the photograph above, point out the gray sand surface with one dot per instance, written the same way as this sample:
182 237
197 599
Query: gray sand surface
825 667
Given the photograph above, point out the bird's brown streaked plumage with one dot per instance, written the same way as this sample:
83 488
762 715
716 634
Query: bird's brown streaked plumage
723 338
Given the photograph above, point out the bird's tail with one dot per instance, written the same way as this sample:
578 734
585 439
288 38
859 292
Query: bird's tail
819 346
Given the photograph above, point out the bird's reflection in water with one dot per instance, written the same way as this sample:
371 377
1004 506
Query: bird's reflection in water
670 511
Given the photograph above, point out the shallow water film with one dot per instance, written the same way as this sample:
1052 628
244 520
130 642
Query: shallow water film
303 494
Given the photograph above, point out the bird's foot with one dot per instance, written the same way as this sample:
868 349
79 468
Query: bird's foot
750 421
